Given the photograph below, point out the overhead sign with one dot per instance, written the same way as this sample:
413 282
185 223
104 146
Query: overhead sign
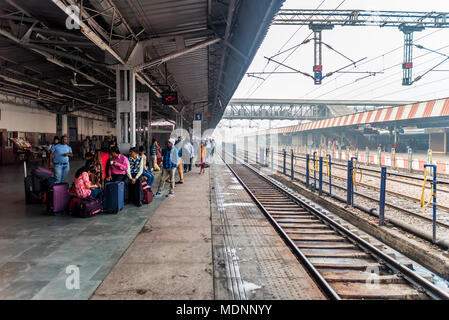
142 101
169 98
198 117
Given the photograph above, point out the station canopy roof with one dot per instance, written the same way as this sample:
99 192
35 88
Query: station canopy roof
198 48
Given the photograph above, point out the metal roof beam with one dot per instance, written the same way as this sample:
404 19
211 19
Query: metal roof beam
88 32
176 54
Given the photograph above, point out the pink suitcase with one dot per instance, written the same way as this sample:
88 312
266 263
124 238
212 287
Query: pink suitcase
57 198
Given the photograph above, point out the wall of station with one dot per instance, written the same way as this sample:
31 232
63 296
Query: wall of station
38 126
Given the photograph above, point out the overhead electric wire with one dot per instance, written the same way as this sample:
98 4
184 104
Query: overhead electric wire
383 84
285 43
263 81
372 59
382 79
410 88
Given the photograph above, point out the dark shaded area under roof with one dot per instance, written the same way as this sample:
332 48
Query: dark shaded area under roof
39 55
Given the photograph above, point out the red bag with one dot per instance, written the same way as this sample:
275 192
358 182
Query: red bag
147 193
72 204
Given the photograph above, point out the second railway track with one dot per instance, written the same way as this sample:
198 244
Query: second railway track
344 265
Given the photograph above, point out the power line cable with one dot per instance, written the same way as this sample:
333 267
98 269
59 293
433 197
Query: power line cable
285 43
293 51
376 81
370 60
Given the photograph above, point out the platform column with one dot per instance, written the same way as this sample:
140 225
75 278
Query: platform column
126 106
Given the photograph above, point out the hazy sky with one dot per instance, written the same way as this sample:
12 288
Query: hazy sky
355 43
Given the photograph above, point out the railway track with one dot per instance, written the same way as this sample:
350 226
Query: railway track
369 186
344 265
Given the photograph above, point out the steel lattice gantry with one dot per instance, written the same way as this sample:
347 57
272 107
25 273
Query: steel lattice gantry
407 22
295 109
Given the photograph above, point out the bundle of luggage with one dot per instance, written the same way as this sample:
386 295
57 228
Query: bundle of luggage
204 165
41 187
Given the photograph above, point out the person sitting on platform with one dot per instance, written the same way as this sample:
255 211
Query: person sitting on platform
134 173
83 186
170 162
146 173
118 166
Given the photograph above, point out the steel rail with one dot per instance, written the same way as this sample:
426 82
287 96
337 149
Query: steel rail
324 285
416 215
415 279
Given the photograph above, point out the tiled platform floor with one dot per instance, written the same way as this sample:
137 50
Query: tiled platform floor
35 249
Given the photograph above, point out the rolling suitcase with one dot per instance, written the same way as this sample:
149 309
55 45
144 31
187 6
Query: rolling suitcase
57 198
31 195
87 207
147 193
40 176
114 196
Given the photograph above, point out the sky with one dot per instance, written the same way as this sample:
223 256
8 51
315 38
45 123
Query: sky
355 43
382 48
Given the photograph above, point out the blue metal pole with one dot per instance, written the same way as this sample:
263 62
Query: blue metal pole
330 175
307 170
272 159
352 182
285 155
314 171
320 177
292 173
434 186
383 186
349 184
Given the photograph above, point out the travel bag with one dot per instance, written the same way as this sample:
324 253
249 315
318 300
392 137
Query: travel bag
31 195
88 207
114 196
40 176
147 193
72 205
57 198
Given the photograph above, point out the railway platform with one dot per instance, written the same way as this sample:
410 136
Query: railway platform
208 242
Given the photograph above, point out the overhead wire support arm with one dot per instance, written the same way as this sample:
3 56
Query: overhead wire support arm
408 22
288 67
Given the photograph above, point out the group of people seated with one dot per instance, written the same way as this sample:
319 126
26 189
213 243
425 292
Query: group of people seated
110 165
104 166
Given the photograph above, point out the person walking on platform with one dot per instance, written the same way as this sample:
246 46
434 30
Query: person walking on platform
169 164
178 146
203 155
187 156
59 159
134 173
153 154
